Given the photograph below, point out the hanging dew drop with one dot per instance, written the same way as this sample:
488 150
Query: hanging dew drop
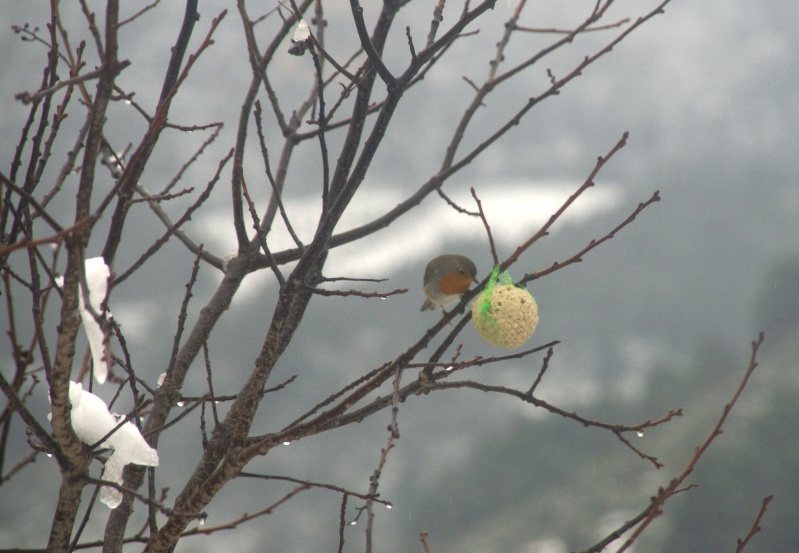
286 443
640 433
180 403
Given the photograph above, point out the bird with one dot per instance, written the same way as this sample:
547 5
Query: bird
446 278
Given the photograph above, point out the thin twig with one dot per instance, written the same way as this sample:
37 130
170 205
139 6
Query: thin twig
311 484
182 316
342 522
157 431
125 420
423 539
163 197
28 98
143 498
206 398
374 479
276 195
741 544
351 386
260 234
665 493
369 47
410 43
438 17
54 238
615 428
502 44
352 279
455 206
95 32
244 518
453 365
22 463
357 293
576 258
209 378
139 13
195 156
487 227
544 366
651 458
32 201
620 531
552 30
190 17
322 121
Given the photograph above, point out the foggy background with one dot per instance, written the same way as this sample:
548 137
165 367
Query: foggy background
659 317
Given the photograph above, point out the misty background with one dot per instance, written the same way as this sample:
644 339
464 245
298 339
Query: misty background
659 317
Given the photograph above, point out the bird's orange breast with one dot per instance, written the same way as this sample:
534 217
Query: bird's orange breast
454 283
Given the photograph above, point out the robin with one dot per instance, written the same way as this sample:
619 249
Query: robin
445 279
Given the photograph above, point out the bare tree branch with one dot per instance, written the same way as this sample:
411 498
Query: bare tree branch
741 544
675 485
